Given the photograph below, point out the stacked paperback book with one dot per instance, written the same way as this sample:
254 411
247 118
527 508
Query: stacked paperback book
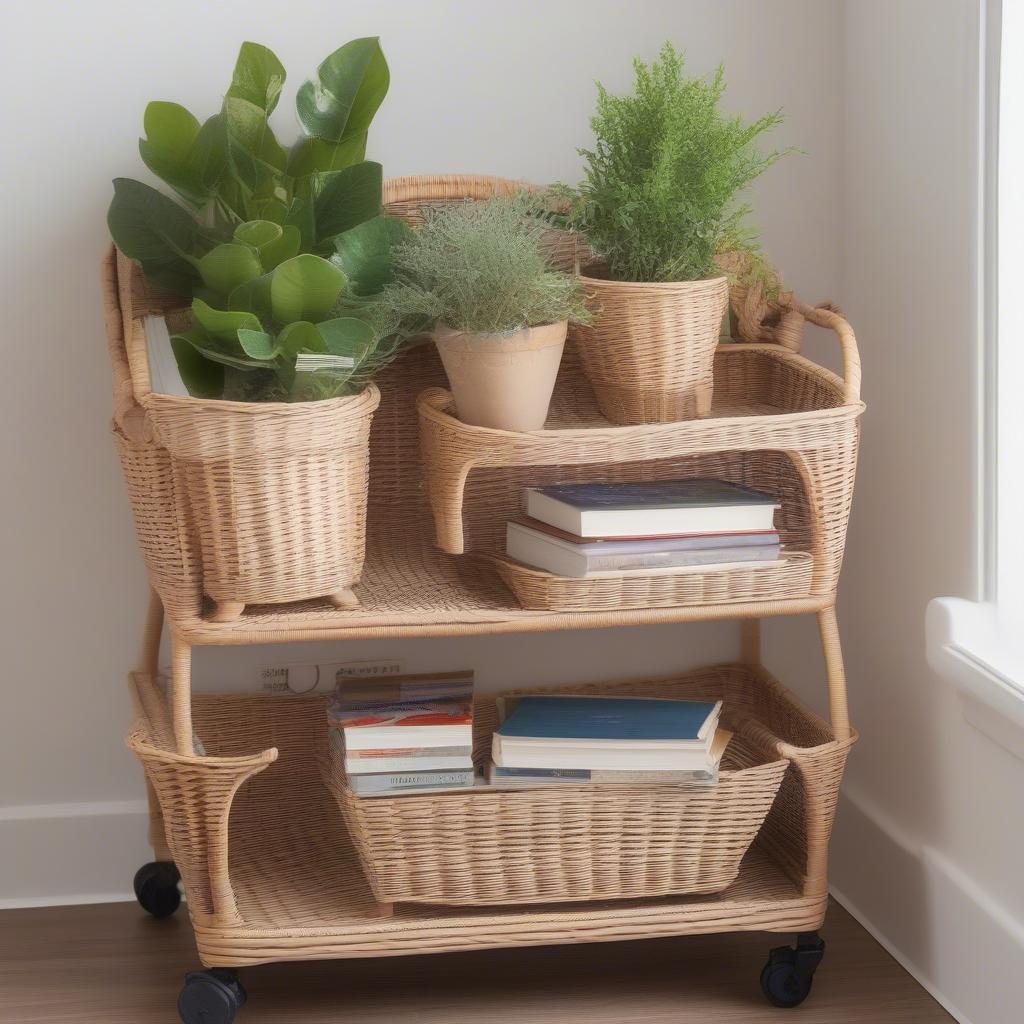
405 734
587 530
551 739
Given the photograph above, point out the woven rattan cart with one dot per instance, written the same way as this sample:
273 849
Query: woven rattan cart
242 814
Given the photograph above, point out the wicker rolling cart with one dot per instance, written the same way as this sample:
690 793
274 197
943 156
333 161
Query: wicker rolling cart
244 815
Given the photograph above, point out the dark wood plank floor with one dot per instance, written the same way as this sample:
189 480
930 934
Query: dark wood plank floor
114 965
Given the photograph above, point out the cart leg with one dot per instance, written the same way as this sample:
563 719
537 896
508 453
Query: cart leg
211 997
838 709
787 977
181 696
149 661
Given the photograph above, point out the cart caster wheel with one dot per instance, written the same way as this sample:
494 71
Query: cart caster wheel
156 888
787 977
211 997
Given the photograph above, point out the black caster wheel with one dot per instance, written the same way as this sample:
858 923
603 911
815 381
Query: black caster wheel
156 888
787 977
211 997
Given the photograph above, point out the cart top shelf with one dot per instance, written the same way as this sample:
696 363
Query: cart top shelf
439 488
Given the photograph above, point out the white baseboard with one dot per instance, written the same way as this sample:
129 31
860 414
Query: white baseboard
952 935
66 854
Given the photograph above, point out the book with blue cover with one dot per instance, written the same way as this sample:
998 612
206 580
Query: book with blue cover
600 733
652 508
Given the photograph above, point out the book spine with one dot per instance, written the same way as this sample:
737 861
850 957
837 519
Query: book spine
397 781
680 559
410 752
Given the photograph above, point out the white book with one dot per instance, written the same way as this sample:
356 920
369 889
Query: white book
368 766
394 736
563 558
696 759
164 376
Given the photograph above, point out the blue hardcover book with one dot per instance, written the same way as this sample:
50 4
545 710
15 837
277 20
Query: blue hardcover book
606 732
656 508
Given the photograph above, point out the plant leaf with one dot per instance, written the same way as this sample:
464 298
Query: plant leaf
219 352
167 150
310 155
351 84
258 76
347 336
255 153
364 252
149 227
202 377
223 325
348 198
257 344
300 214
253 297
272 242
301 336
305 287
229 265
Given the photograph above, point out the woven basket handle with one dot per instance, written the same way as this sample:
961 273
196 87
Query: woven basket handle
124 392
825 315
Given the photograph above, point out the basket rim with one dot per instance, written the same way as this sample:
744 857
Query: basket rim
700 284
369 396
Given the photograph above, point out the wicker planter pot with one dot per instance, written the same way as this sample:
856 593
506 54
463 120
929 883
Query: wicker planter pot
650 351
274 495
502 381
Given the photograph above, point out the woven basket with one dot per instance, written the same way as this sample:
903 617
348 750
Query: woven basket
565 843
275 494
247 503
650 351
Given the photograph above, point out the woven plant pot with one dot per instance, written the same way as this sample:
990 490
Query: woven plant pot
274 494
650 351
502 381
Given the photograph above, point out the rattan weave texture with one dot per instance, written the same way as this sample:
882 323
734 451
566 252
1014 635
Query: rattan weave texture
270 872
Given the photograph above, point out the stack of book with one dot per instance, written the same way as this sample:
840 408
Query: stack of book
405 734
586 530
546 740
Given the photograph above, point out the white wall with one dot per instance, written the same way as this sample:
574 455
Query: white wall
503 89
928 843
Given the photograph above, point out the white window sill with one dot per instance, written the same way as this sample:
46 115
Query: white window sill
984 660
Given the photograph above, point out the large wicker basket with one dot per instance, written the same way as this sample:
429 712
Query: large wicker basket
247 503
566 843
649 354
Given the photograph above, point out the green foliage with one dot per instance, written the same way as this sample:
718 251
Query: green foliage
281 250
663 178
479 267
266 307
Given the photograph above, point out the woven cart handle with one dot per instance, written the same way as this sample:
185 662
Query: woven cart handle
822 316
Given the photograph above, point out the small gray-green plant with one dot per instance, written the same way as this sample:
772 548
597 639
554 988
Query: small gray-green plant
480 267
662 180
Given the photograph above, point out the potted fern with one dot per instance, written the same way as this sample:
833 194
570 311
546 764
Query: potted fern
281 252
659 196
476 276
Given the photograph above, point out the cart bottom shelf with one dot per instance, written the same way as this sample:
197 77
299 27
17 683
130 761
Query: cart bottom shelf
302 896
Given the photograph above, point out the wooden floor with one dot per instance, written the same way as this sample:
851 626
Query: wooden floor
113 965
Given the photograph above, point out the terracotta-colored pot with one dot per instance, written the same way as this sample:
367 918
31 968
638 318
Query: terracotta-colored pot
502 381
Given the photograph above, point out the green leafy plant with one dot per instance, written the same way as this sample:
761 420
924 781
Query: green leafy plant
280 249
480 267
664 175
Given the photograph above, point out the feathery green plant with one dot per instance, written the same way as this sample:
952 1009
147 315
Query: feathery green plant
480 267
664 174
